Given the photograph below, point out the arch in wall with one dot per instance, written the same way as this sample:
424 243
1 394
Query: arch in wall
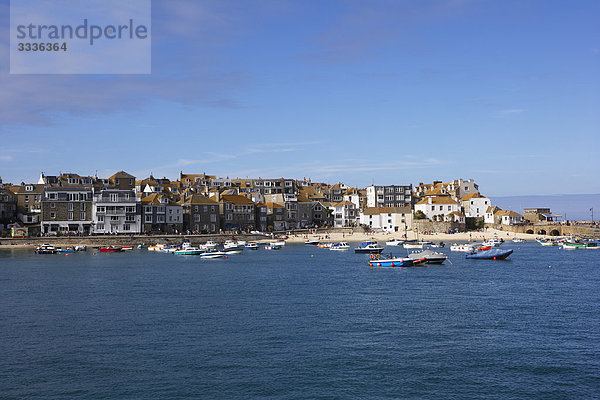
542 232
530 231
554 232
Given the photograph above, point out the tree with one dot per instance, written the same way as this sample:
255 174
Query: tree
419 215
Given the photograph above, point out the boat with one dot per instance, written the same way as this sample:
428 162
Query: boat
127 248
324 245
493 254
213 254
233 246
413 244
67 250
394 242
375 261
189 251
580 245
341 246
369 248
110 249
45 249
242 242
430 256
272 247
251 246
279 243
210 245
493 242
425 242
140 246
466 248
518 240
157 247
312 242
81 247
548 242
484 247
438 245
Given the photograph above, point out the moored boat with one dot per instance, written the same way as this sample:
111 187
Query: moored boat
324 245
369 248
430 256
391 262
45 249
394 242
251 246
189 251
438 245
213 254
413 244
110 249
312 242
493 254
341 246
272 247
465 248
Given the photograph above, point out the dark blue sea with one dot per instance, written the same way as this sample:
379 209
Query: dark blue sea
300 323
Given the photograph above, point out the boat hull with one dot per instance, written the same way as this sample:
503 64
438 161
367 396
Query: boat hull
493 254
392 262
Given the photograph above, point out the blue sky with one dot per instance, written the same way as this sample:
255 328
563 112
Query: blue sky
391 92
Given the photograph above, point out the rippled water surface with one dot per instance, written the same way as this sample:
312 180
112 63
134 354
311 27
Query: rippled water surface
300 323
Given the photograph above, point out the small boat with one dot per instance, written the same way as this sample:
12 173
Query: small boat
394 242
312 242
251 246
425 242
484 247
390 262
580 245
210 245
279 243
341 246
272 247
324 245
493 254
242 242
127 248
140 246
369 248
518 240
110 249
413 244
67 250
189 251
493 243
81 247
46 249
233 246
438 245
465 248
548 242
430 256
213 254
157 247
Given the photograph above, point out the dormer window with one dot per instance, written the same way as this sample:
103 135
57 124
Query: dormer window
29 188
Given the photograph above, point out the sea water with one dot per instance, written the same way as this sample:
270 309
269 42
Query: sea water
299 323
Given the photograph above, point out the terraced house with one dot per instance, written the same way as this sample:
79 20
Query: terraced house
237 213
116 211
200 214
161 214
67 210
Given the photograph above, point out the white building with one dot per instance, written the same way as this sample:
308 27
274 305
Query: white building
116 211
489 214
389 196
344 214
475 205
433 207
389 219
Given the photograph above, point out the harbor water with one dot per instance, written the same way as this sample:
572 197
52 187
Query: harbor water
299 323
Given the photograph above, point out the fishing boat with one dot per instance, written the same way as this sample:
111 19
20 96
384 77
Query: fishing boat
413 244
45 249
127 248
493 254
369 248
312 242
272 247
438 245
110 249
580 245
213 254
430 256
324 245
81 247
210 245
375 261
157 247
548 242
341 246
394 242
493 243
466 248
233 246
251 246
189 251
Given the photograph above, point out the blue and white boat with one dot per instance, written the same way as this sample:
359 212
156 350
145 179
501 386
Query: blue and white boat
341 246
369 248
391 262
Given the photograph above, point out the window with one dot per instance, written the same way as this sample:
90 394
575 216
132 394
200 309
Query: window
26 198
213 218
100 227
449 208
229 217
114 197
70 216
160 218
82 206
148 209
114 218
100 218
52 215
126 227
52 205
82 216
130 209
52 196
70 206
130 218
29 188
148 219
196 209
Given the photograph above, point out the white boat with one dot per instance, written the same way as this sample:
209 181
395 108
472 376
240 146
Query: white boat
278 243
213 254
242 242
413 244
210 245
251 246
341 246
81 247
518 240
394 242
493 242
233 251
465 248
233 246
189 251
157 247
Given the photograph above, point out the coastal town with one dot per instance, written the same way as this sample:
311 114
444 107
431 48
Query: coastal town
71 204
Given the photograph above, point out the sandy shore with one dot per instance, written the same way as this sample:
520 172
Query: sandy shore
435 237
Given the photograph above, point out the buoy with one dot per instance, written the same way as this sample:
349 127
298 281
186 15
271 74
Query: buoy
549 266
519 248
312 255
66 255
379 264
494 258
226 257
370 264
393 265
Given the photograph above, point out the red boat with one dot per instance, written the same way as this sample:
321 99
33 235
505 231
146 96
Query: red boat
483 248
110 249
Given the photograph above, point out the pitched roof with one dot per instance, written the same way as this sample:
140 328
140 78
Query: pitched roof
237 200
273 205
197 199
344 203
508 213
473 195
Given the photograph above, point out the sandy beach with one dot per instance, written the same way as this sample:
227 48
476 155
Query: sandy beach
435 237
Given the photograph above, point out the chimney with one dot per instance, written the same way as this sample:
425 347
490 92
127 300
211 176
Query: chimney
429 200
